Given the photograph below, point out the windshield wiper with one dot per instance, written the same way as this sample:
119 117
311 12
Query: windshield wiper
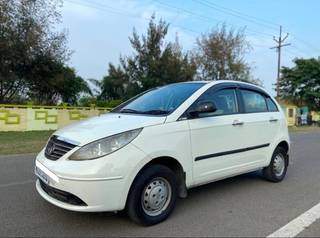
150 112
156 112
128 110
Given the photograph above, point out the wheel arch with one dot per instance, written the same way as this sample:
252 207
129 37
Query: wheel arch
172 164
285 145
282 142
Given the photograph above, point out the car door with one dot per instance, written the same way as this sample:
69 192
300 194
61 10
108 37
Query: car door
274 117
218 138
261 125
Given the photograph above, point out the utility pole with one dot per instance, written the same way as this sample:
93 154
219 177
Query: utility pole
279 45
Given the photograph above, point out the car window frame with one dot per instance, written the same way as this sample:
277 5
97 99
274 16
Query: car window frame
240 102
215 88
263 95
124 104
273 101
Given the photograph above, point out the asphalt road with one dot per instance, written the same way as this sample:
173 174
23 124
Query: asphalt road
245 205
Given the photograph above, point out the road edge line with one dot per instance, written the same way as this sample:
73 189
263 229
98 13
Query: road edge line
299 224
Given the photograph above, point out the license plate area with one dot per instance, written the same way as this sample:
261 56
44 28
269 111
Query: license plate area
42 175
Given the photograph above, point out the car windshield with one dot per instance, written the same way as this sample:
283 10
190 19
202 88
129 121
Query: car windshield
160 101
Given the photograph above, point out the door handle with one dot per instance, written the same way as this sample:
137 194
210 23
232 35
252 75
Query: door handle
237 123
273 120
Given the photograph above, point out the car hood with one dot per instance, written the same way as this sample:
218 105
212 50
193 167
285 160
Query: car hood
95 128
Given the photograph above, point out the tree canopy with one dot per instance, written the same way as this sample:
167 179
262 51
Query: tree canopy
220 55
301 83
153 63
33 55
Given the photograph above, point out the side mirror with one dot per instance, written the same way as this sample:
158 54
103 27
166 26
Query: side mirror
203 107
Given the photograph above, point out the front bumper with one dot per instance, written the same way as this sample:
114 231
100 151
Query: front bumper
89 196
102 184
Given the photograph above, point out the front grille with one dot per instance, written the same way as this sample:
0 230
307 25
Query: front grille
57 148
62 195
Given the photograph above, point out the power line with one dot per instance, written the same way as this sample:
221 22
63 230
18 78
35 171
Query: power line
100 7
104 7
107 8
206 18
294 54
187 11
311 47
273 24
238 14
252 19
297 50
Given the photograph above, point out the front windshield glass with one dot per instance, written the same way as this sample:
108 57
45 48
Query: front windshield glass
161 101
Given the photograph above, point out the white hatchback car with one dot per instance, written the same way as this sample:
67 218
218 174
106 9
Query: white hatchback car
152 148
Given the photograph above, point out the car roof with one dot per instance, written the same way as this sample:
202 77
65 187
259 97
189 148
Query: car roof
245 85
220 81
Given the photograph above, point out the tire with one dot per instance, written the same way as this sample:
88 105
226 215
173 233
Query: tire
272 172
152 196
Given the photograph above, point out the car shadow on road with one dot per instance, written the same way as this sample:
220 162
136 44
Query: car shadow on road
199 194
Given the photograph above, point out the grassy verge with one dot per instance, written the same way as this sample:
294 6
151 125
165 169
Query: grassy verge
294 129
34 141
23 142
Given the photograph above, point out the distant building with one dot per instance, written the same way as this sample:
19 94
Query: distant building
291 111
297 116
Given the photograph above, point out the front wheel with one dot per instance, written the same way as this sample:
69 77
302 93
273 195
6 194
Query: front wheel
153 195
277 169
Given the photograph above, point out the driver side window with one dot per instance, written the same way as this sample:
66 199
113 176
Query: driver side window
225 101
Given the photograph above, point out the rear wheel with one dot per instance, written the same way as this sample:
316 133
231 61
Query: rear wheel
277 169
153 195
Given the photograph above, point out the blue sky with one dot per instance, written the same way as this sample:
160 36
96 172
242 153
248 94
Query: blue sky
98 30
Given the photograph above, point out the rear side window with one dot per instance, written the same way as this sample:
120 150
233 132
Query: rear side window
253 101
225 101
272 107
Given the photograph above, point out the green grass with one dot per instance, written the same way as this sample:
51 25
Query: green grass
23 142
34 141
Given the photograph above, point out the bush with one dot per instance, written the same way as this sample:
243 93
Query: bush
114 103
89 101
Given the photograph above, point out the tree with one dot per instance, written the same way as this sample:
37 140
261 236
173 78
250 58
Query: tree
25 36
301 83
113 86
61 82
153 63
220 55
70 86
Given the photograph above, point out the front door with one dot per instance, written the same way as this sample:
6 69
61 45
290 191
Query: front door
217 138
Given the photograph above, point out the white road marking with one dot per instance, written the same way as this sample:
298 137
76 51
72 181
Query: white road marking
297 225
16 183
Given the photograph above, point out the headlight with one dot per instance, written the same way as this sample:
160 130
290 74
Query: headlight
105 146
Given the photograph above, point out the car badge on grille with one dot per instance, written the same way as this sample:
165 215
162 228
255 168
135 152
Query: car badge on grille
51 148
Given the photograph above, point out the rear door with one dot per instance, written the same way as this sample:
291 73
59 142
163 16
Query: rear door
261 125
